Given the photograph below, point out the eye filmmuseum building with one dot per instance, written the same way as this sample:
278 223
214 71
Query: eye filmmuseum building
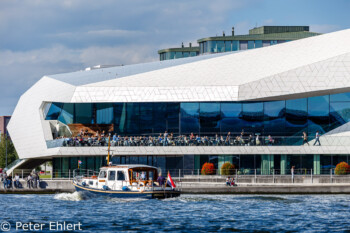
259 109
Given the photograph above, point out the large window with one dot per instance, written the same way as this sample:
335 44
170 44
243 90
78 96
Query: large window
104 113
209 117
318 114
252 116
296 117
67 114
274 118
243 45
230 114
228 46
189 118
220 46
54 111
83 113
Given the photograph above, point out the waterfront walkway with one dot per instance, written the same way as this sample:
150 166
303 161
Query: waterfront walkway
62 186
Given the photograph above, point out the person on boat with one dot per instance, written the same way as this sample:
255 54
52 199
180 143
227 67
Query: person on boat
143 176
160 180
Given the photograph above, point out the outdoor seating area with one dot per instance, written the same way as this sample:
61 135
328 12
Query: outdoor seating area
171 140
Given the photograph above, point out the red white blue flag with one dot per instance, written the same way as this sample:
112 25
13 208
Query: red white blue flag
170 181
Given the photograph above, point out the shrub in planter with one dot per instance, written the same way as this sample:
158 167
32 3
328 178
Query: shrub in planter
227 169
208 169
342 168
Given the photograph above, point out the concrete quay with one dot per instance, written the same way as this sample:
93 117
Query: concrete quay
214 186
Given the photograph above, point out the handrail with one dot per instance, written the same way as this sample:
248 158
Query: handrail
210 140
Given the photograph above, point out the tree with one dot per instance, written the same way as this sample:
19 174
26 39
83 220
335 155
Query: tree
11 151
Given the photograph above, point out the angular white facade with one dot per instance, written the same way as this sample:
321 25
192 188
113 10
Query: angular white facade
304 68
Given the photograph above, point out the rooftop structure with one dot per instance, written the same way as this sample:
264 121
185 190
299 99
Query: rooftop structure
257 38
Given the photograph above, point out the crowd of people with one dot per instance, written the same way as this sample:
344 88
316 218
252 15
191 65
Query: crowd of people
84 138
9 182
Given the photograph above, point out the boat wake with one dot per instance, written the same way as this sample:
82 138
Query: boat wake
76 196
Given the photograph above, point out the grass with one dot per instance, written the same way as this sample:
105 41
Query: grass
44 176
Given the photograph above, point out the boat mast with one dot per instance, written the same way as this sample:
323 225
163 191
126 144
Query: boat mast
109 146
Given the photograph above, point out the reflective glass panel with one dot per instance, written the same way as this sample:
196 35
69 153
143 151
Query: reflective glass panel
212 46
318 112
209 117
120 118
231 109
250 44
266 43
235 45
189 125
178 55
274 114
132 118
340 97
220 46
258 44
67 114
54 111
243 45
339 113
83 113
104 113
228 46
252 116
189 109
296 117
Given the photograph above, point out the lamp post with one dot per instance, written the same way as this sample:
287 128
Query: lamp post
6 149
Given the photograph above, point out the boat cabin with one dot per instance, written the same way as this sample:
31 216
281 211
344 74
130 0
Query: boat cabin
119 176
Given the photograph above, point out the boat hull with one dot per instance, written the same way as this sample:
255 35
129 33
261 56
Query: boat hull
126 194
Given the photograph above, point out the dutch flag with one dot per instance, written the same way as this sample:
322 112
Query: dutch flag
170 181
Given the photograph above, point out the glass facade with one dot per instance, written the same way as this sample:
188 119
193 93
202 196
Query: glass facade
220 46
176 55
262 164
275 118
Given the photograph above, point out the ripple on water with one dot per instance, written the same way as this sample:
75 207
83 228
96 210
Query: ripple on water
188 213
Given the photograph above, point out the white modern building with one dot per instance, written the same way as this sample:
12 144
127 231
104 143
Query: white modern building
266 98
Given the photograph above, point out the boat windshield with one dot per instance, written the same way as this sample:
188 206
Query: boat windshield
103 174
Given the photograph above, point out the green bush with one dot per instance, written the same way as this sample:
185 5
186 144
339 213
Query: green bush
227 169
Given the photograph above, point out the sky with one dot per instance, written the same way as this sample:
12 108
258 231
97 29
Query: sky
40 37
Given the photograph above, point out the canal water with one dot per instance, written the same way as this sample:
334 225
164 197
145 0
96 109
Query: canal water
188 213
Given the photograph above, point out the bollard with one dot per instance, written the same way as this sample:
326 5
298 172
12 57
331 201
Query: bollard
254 175
236 176
198 175
311 177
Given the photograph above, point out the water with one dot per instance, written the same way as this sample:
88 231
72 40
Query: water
188 213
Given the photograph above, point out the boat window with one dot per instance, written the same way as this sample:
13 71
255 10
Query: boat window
120 175
103 174
111 175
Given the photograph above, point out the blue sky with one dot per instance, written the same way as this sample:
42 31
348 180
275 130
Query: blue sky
40 37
